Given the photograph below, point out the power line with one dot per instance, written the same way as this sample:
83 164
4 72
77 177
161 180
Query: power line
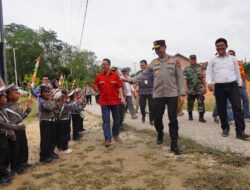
83 24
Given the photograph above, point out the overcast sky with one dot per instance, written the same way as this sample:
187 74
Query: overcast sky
123 30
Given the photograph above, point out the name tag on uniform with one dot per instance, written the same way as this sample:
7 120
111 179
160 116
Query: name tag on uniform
146 82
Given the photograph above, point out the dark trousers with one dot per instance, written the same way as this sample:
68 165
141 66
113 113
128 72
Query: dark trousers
89 99
23 146
76 124
48 139
81 124
114 109
231 92
97 97
200 100
18 150
143 101
63 130
121 113
14 153
4 154
159 108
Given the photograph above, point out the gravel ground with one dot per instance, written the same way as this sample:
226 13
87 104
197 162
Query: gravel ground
208 134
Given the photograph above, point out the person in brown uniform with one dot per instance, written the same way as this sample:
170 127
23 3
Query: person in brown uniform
168 85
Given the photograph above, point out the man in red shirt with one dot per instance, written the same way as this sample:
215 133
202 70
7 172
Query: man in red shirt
110 87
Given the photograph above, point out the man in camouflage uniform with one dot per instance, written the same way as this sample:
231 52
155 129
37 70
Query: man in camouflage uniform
195 88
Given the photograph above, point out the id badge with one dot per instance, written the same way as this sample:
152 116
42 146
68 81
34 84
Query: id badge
146 81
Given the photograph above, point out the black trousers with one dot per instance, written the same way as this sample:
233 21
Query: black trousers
76 124
48 138
23 146
18 150
97 97
4 154
81 124
63 131
159 109
15 153
230 91
89 99
143 101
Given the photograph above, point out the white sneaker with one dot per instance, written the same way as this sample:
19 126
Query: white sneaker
68 151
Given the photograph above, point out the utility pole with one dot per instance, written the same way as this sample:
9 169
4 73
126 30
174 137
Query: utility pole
14 55
3 68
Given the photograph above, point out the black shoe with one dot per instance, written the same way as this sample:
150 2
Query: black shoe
160 138
54 156
175 149
5 180
8 174
46 161
11 174
26 165
242 136
201 117
151 122
225 133
77 139
190 116
20 170
202 120
159 141
143 119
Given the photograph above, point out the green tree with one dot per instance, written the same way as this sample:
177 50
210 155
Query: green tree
57 56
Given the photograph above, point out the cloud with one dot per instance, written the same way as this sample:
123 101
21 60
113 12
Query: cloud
124 30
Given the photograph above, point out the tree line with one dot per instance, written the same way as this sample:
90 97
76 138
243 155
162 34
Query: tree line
58 57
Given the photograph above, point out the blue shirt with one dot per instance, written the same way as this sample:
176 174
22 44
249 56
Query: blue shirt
146 86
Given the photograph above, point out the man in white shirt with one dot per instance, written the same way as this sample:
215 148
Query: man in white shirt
128 93
223 77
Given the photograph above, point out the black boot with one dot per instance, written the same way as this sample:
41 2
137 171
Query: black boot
5 177
201 117
242 135
190 114
160 138
174 148
4 180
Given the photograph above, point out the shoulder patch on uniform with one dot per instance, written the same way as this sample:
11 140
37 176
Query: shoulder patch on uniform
170 60
156 62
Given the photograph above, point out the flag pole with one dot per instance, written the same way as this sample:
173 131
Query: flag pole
33 80
14 55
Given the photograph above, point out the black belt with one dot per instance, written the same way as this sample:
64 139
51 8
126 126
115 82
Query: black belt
225 84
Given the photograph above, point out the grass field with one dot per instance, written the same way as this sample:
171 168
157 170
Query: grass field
136 164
